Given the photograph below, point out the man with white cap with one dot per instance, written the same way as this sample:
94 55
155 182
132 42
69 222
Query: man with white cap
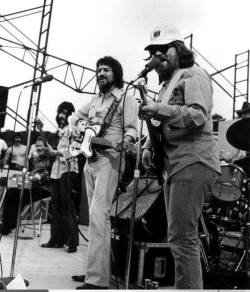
190 156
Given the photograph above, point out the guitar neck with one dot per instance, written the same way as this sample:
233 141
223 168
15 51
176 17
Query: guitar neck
43 139
101 141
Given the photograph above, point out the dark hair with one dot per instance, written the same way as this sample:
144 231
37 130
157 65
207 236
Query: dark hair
67 106
18 135
38 137
186 56
115 66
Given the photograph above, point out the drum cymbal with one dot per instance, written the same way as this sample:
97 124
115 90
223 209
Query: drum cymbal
238 134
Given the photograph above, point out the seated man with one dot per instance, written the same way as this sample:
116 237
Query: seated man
39 167
15 155
39 161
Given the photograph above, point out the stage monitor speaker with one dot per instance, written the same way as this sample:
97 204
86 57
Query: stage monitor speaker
3 104
150 216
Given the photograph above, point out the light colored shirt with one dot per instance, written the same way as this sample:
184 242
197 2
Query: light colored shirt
61 163
187 122
125 116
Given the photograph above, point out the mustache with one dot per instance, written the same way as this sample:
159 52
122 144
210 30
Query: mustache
101 78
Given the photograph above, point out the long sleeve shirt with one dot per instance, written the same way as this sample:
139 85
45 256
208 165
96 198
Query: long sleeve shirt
124 118
61 165
187 132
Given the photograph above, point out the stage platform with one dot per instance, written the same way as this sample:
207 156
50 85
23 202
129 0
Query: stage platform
46 268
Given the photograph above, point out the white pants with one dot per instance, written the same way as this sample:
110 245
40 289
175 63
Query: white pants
101 182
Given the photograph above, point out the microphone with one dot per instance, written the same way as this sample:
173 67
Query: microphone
155 61
42 80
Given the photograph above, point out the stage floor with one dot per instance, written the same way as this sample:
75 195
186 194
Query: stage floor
46 268
51 269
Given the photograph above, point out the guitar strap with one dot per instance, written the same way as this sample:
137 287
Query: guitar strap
165 95
171 86
109 116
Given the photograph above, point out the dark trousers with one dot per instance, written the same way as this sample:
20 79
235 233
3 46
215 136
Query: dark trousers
63 215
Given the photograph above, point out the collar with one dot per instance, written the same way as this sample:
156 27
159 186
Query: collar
113 91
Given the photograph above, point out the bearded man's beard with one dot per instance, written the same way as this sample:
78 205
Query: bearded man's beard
62 122
104 87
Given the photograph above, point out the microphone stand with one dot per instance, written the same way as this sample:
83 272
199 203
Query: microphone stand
133 210
23 181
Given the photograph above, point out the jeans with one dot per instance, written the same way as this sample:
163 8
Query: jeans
185 193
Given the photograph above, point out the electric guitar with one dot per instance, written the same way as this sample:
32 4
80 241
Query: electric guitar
154 134
85 137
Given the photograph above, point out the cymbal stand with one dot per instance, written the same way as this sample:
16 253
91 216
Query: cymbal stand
133 209
246 238
31 119
247 231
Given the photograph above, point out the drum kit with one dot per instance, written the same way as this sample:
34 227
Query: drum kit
227 210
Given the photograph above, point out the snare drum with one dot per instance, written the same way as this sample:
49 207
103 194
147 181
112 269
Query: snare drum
230 185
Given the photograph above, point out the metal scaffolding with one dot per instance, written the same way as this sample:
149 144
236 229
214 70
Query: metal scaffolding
82 79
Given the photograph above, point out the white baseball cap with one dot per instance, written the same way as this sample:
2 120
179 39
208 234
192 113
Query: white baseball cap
163 35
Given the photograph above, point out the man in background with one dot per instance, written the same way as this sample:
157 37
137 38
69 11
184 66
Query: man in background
15 155
63 227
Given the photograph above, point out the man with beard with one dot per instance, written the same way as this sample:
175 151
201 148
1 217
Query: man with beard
117 115
63 228
189 151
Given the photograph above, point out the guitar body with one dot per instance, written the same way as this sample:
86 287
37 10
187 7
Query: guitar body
86 147
85 140
82 142
158 157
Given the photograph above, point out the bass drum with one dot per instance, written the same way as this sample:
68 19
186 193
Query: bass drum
230 185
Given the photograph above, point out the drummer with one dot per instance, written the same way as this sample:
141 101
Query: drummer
237 156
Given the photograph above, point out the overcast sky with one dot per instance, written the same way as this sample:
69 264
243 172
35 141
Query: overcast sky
82 31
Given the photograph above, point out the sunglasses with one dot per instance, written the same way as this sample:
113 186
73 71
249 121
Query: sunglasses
160 49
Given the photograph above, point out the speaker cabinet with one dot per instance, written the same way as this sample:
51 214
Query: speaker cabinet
3 104
148 261
150 217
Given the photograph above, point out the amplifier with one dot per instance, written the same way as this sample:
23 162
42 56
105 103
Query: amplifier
149 261
232 239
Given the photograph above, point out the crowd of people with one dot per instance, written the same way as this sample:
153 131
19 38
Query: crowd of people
190 162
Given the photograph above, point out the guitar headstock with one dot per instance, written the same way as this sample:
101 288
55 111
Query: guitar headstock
39 124
141 86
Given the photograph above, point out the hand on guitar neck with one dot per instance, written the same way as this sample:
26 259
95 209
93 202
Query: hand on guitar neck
39 125
148 108
147 111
